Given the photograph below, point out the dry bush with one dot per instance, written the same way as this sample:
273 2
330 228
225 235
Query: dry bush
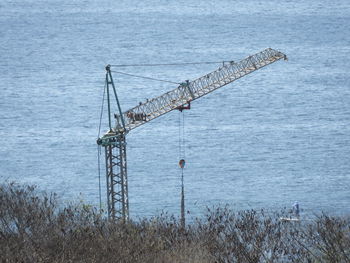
328 238
35 228
249 236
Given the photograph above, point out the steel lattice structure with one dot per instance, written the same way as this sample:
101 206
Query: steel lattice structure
114 140
116 177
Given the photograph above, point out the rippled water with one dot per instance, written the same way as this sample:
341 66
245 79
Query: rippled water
278 135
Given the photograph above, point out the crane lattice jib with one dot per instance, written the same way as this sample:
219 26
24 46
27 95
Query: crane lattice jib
192 90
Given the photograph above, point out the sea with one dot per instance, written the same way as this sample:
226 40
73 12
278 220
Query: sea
276 136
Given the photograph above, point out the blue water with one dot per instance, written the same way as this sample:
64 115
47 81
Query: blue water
276 136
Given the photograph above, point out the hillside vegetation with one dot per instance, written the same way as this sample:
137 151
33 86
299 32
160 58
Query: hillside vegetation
34 227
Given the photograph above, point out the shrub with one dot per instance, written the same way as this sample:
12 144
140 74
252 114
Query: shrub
34 227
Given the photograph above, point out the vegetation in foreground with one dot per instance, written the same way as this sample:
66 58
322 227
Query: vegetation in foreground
35 228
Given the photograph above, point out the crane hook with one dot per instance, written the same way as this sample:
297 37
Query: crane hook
182 163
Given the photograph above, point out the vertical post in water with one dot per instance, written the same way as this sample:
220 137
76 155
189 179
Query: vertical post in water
182 200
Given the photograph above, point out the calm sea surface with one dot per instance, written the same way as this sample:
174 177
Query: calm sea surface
276 136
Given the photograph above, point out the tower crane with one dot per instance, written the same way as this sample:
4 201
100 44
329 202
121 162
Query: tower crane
114 140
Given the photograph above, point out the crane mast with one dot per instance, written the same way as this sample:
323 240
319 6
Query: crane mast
114 140
115 156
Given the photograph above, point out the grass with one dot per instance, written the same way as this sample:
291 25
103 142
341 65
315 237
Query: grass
34 227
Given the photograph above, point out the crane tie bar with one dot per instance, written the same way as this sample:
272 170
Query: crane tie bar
170 64
143 77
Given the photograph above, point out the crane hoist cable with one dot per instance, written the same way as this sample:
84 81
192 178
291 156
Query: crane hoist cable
99 175
182 150
101 112
99 149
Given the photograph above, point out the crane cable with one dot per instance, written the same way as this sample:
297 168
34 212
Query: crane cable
170 64
182 135
143 77
162 64
99 149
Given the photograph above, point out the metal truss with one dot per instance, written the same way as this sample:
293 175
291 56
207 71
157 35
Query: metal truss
115 155
190 91
116 176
